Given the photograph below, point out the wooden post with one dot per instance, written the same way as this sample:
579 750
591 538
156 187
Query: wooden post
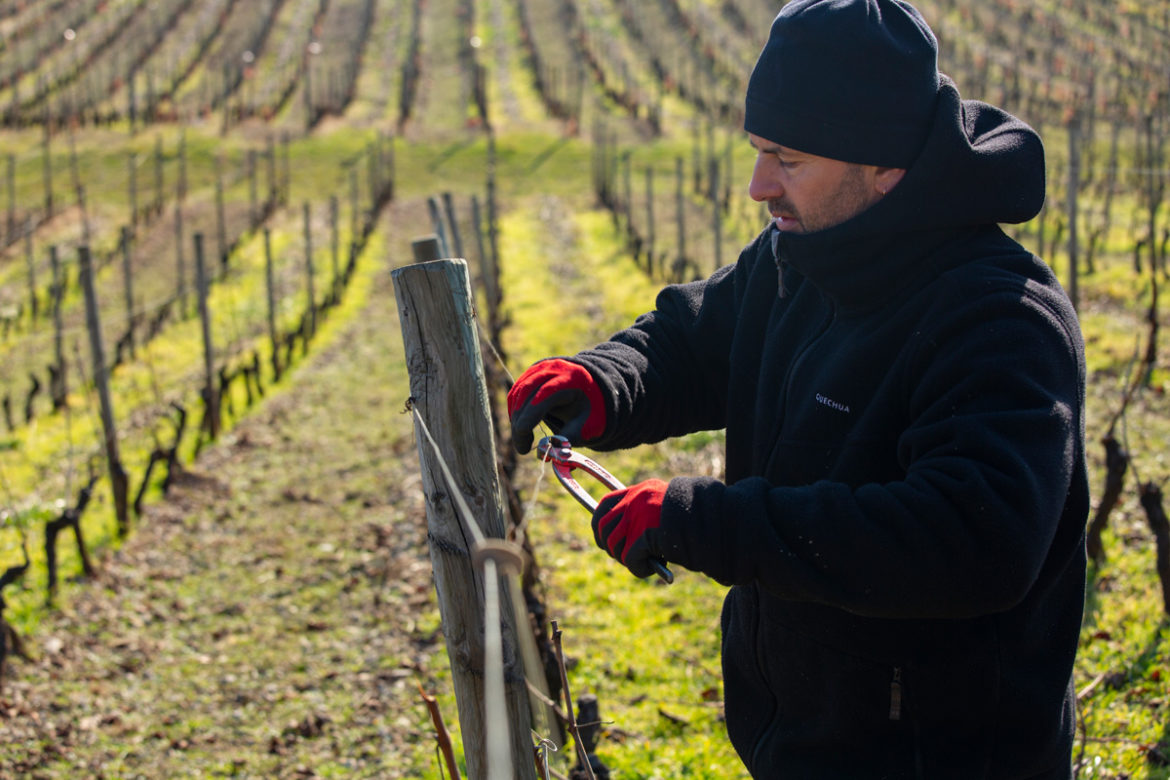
712 165
270 160
158 176
132 186
716 216
220 221
611 174
225 99
182 185
449 393
10 231
486 266
131 101
1154 188
627 198
334 239
151 95
603 152
374 178
595 160
286 165
119 482
437 224
696 158
492 207
426 248
59 387
680 218
308 93
728 172
355 202
210 390
78 187
311 311
379 158
456 244
650 220
31 265
47 159
180 259
270 280
253 196
85 230
128 285
390 167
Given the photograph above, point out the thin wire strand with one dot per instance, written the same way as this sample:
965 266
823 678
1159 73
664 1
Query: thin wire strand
522 526
456 495
469 521
496 721
495 352
530 506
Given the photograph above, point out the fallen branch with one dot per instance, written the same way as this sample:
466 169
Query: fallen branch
442 736
1083 693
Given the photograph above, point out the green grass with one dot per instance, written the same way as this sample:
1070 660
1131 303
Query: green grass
649 652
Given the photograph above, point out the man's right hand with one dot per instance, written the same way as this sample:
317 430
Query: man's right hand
561 393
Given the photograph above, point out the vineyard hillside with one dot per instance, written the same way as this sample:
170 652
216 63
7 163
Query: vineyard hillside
214 555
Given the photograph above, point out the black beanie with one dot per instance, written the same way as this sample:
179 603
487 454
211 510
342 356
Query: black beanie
854 80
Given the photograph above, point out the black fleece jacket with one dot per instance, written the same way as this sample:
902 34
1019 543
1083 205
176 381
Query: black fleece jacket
904 505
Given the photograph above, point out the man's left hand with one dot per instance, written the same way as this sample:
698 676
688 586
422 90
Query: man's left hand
625 522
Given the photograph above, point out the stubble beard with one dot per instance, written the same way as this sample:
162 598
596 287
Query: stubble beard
851 197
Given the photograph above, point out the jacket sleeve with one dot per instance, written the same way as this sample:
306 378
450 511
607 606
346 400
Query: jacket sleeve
666 375
994 444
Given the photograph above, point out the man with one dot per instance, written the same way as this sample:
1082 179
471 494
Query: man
902 389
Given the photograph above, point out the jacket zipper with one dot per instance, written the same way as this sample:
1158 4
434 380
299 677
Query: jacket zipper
811 342
805 348
896 694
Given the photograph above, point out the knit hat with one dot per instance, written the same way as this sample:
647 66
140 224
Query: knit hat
854 80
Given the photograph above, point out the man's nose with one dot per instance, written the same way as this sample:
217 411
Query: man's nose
764 184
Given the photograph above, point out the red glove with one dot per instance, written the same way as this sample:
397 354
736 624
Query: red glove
625 522
560 392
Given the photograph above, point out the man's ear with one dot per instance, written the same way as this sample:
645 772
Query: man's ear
885 179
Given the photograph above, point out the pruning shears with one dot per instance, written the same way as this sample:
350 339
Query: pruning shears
559 452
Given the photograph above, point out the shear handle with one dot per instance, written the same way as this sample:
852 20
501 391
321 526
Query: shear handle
559 452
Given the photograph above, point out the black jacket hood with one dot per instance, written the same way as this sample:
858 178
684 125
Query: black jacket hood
979 166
